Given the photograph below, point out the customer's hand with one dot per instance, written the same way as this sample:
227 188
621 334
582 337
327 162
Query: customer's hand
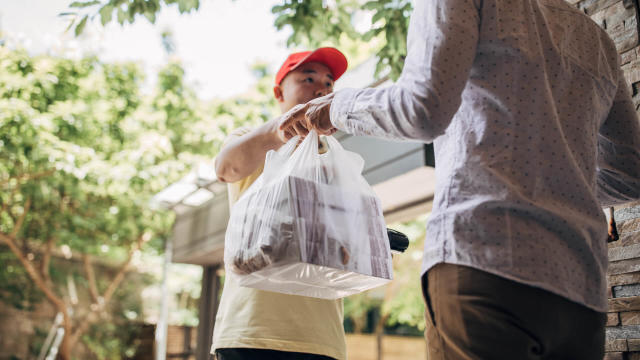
285 134
314 115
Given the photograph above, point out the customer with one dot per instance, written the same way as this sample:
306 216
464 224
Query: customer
534 130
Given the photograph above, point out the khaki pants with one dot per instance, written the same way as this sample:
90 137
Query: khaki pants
471 314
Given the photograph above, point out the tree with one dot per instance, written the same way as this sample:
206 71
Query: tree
81 153
313 22
125 11
401 304
317 22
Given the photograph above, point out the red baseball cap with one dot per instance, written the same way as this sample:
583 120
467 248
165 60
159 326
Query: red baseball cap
331 57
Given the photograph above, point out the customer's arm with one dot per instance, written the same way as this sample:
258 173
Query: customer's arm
619 151
241 156
442 42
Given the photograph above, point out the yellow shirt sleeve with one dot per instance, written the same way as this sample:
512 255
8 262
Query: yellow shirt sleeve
235 189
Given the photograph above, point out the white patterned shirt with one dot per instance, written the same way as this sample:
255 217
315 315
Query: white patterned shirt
534 130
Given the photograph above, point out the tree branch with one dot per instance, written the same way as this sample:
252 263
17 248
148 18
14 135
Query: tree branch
5 206
28 177
18 224
43 286
46 260
123 270
84 325
33 274
91 278
117 280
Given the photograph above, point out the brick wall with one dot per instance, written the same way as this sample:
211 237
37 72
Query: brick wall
623 319
620 19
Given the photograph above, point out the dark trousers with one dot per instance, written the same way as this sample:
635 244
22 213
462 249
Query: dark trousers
264 354
471 314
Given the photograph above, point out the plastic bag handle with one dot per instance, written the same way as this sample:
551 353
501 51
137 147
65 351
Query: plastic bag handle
277 162
289 147
334 144
356 160
276 158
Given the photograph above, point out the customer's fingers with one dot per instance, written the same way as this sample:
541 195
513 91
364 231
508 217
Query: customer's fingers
289 133
318 116
300 129
293 116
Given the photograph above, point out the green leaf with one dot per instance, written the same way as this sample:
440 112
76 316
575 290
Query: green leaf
151 16
188 5
106 13
282 20
278 8
122 16
80 4
370 34
81 25
377 17
73 21
373 5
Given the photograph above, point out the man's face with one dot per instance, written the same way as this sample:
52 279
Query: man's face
307 82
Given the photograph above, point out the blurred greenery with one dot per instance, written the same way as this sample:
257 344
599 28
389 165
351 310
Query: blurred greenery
404 304
320 23
122 11
82 151
113 336
400 306
16 289
313 23
113 340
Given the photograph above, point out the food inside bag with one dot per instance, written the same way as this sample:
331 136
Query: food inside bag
310 226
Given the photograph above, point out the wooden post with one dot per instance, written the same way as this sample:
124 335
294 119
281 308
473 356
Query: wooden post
187 351
208 309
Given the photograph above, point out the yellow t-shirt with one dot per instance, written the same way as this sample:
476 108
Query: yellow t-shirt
250 318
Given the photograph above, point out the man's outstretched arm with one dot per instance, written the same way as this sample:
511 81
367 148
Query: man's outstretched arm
242 155
442 43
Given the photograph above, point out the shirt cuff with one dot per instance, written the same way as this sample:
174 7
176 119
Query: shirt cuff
341 106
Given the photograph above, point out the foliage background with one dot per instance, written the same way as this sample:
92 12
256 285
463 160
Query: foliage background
83 151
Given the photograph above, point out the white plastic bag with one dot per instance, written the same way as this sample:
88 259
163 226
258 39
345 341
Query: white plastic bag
310 225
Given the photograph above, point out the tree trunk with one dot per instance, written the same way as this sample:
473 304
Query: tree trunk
64 352
359 323
70 338
379 333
